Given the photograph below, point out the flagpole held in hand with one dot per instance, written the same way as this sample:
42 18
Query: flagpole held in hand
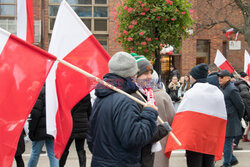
113 88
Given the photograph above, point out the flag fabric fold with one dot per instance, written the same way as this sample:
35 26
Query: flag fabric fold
247 63
72 41
25 22
222 62
24 68
200 123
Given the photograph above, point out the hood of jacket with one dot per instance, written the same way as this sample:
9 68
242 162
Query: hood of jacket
125 84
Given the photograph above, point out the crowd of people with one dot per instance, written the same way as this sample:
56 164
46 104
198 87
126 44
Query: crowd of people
121 132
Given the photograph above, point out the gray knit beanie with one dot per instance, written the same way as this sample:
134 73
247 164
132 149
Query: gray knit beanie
123 64
143 64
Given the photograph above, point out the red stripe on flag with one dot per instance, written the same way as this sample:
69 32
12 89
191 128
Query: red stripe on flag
198 132
73 86
24 69
226 66
30 22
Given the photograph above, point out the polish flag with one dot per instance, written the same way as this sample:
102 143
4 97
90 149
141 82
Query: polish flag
236 36
72 41
222 62
229 32
247 63
25 22
23 70
200 121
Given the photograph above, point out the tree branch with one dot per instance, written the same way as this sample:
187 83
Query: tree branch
241 5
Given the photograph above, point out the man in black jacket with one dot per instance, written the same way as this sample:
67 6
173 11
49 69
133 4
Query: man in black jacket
235 111
118 130
80 114
38 135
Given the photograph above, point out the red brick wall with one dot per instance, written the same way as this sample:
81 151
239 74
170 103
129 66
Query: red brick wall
216 37
113 46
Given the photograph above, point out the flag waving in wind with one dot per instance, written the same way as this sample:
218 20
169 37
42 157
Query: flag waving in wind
222 62
247 63
24 68
25 22
72 41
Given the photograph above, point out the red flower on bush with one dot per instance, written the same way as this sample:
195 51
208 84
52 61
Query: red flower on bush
130 10
125 8
183 12
141 33
130 26
143 13
173 19
130 39
144 43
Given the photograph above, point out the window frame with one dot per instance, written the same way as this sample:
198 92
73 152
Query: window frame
9 17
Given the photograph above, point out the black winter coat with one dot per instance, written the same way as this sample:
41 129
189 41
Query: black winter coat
245 95
37 124
118 130
21 145
235 109
213 79
80 115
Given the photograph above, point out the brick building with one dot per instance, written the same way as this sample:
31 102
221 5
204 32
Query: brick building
97 15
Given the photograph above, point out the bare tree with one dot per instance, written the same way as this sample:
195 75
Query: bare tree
213 12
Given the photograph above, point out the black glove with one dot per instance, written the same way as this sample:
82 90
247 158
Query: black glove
167 126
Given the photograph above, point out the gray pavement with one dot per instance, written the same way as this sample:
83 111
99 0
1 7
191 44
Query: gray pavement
177 159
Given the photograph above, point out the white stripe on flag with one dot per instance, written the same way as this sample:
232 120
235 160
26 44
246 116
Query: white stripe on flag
4 36
219 59
200 100
78 33
22 19
246 61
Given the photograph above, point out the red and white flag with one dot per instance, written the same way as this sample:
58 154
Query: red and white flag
222 62
200 121
72 41
229 32
25 22
247 63
24 68
236 36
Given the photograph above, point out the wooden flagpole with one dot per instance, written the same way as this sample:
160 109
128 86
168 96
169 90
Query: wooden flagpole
113 88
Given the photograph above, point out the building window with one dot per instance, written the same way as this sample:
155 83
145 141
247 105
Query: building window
202 51
8 15
94 14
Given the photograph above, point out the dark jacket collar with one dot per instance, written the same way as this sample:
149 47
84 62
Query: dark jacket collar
125 84
226 84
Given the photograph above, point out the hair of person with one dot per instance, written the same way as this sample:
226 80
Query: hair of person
213 68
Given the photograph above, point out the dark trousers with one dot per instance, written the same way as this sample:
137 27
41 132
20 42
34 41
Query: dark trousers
195 159
19 161
79 143
238 138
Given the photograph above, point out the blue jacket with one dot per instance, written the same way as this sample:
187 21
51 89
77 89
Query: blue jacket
235 109
118 130
213 79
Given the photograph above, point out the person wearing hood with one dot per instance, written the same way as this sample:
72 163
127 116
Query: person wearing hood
118 129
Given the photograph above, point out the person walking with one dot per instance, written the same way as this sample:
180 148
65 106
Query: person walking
235 111
38 135
80 115
118 129
172 90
